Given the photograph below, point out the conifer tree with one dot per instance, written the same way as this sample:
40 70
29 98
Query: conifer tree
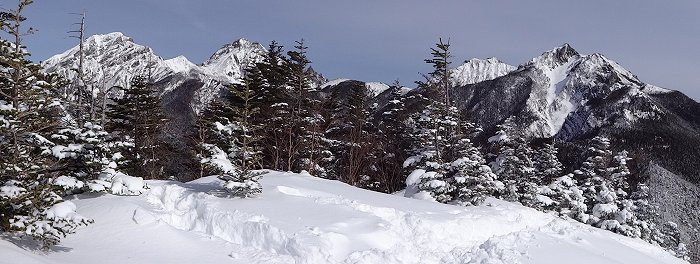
424 155
244 147
439 112
207 135
514 167
455 170
356 147
135 121
297 105
28 117
619 179
275 112
231 134
473 179
313 137
568 199
332 144
83 150
393 141
546 163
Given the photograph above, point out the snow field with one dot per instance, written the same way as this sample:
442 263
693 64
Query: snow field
336 223
303 219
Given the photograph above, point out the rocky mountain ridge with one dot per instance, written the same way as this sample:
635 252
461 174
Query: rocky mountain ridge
113 59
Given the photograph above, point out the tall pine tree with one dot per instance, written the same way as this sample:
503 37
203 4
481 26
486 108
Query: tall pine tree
135 122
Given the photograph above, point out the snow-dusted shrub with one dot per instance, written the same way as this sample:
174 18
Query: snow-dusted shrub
46 221
68 183
243 186
118 183
52 224
237 182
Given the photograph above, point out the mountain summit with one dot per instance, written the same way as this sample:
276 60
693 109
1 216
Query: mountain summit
114 59
555 57
478 70
229 61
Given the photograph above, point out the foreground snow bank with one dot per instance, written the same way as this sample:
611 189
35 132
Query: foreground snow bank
301 219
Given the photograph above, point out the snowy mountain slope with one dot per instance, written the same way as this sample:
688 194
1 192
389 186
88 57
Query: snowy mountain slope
374 88
573 97
225 66
560 94
229 61
114 59
334 82
472 71
303 219
478 70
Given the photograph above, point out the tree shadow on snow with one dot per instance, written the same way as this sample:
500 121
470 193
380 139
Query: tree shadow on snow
27 243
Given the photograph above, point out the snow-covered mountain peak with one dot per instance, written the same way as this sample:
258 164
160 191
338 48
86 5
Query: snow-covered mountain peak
333 82
114 58
555 57
568 85
491 60
109 38
375 88
479 70
236 51
598 64
109 59
180 64
229 61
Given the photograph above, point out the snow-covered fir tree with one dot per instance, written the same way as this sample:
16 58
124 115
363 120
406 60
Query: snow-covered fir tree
452 169
393 140
566 198
331 141
85 150
473 180
356 149
135 121
29 203
546 163
235 150
514 166
594 177
275 109
299 108
432 128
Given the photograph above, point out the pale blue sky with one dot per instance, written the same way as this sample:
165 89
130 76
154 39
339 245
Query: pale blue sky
374 40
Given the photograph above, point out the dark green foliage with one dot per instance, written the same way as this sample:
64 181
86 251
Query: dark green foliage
357 163
135 121
391 142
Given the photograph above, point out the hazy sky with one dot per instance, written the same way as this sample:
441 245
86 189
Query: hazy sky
384 40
